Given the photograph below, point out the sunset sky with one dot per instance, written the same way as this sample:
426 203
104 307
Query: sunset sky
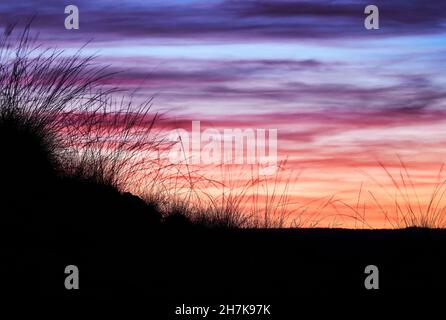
343 98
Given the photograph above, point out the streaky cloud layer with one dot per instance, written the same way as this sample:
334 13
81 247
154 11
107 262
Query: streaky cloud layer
343 98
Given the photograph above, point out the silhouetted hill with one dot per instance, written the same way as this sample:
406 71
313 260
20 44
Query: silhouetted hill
50 218
124 247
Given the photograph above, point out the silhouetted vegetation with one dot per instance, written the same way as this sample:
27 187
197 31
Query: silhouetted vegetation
68 150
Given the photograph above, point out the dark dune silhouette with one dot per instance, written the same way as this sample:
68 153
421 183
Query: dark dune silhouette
123 246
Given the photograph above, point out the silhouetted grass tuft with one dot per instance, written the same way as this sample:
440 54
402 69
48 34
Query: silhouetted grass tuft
403 206
60 128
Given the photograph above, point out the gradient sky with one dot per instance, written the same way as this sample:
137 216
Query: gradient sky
342 97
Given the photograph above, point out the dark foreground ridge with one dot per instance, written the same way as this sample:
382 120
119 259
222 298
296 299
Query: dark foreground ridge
123 247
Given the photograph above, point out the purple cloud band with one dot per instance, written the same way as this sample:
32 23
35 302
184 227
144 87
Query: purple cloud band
233 20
